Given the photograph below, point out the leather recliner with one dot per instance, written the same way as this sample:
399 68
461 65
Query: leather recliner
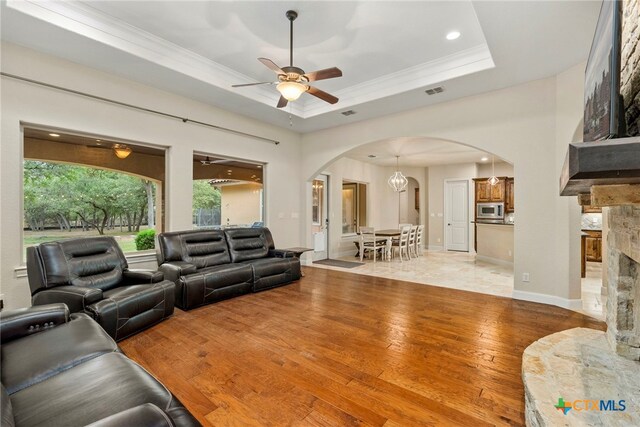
255 247
212 265
91 275
64 370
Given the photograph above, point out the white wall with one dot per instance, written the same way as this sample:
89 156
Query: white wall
27 103
528 126
501 169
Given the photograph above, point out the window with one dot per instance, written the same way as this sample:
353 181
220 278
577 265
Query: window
354 206
227 193
316 207
77 186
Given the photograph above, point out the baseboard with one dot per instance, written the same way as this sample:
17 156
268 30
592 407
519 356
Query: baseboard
571 304
494 261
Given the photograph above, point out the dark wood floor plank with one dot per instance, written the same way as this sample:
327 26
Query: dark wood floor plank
340 349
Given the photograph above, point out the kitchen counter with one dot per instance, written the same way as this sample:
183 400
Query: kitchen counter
494 243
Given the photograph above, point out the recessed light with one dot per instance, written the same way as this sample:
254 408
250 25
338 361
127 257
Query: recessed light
55 135
259 166
484 159
453 35
98 140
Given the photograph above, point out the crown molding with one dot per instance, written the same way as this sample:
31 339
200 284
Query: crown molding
100 27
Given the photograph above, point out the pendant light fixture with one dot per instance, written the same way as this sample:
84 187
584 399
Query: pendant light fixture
397 181
121 150
494 179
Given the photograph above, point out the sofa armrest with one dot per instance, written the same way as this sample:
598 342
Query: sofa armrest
26 321
281 253
174 269
139 276
145 415
75 297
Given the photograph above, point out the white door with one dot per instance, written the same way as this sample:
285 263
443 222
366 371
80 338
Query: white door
319 217
456 215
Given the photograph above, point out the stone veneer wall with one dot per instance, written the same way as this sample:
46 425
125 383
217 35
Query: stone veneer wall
623 301
630 65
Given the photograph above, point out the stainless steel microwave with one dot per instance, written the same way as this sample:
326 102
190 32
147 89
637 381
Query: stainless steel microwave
490 211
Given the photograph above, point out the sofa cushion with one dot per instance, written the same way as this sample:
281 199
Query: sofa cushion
89 392
271 272
95 262
25 362
202 248
126 310
214 283
247 243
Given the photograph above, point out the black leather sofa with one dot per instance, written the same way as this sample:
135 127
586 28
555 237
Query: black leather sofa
212 265
65 370
91 275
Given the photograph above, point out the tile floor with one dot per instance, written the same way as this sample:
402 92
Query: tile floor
460 270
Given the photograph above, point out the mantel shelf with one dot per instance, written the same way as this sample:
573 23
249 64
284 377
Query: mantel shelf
611 162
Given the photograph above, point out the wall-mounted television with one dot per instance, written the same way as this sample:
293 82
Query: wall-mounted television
603 116
612 77
630 66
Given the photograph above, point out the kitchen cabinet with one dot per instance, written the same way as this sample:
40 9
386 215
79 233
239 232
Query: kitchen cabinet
486 192
509 206
593 245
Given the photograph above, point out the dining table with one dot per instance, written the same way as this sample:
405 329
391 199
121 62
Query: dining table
388 233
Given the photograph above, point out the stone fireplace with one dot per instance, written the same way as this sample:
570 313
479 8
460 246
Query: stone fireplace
567 372
623 303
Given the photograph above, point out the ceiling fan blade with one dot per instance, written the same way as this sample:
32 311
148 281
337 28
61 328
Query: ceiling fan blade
253 84
282 102
322 95
327 73
271 65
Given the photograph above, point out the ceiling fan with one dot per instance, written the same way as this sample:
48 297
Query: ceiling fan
208 161
293 81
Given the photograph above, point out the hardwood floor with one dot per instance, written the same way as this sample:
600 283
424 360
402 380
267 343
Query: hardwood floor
340 349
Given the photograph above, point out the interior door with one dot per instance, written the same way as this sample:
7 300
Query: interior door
456 213
320 217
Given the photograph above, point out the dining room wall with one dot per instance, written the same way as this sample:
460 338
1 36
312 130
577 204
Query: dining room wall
501 169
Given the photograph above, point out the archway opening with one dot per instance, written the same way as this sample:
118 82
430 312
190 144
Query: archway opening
427 164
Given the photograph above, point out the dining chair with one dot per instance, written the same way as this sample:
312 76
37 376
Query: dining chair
419 236
402 244
412 241
368 241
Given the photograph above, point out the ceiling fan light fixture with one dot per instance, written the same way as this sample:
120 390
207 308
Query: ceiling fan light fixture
291 90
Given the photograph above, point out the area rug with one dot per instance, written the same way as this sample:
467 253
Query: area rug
338 263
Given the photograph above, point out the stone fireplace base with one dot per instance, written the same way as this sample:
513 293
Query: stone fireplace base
579 364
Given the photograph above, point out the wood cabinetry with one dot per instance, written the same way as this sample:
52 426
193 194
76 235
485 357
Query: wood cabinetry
509 205
591 209
593 245
486 192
